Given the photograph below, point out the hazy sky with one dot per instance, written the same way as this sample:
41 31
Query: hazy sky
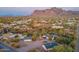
23 11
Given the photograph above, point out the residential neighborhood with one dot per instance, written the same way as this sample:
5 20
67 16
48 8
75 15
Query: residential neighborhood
50 30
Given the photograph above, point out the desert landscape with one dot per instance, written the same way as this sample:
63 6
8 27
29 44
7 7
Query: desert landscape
48 30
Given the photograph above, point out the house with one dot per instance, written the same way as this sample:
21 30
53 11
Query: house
5 30
49 45
5 25
45 37
71 21
1 37
8 36
28 38
12 36
57 27
25 38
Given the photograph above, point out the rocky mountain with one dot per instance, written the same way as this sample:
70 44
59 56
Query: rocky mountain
52 12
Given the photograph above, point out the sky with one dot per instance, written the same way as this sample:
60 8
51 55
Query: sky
25 11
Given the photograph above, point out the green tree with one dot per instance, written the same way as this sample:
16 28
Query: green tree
15 45
62 48
73 44
34 37
64 40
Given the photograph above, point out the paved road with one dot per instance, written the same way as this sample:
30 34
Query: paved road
33 45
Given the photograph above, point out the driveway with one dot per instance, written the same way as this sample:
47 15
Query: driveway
35 44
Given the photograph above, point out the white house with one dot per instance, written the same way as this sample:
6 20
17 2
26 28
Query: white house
57 27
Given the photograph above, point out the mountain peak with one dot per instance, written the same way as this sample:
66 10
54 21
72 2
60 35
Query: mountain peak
48 12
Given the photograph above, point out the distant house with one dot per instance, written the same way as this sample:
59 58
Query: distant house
57 27
25 38
71 21
12 36
8 36
45 37
5 30
1 37
49 45
28 39
24 41
6 25
12 24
